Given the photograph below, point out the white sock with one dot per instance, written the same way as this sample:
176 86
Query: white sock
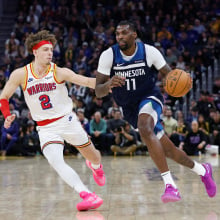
95 166
199 169
54 155
168 179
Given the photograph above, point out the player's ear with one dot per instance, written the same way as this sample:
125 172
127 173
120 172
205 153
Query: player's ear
135 34
34 52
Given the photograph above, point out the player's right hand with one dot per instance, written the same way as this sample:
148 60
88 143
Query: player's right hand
117 81
9 120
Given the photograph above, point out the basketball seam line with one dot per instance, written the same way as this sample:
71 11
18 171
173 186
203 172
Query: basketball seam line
185 86
177 81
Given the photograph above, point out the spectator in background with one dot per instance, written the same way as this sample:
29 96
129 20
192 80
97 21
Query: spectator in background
195 140
83 120
78 91
170 123
113 108
11 45
193 115
214 120
204 105
198 27
116 122
204 125
98 128
216 137
96 105
69 54
9 137
29 140
125 140
178 136
180 63
216 87
170 57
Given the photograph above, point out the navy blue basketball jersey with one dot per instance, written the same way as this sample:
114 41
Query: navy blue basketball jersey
140 80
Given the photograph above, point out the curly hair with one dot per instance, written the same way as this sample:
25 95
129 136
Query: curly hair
34 39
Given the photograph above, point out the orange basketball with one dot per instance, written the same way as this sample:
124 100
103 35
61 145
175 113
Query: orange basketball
177 83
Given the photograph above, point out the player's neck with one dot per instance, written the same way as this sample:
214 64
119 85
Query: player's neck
40 69
130 51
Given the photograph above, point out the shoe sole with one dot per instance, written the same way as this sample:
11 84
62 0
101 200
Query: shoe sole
170 199
95 206
94 174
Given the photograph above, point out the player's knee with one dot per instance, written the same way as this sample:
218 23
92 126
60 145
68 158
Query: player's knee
145 130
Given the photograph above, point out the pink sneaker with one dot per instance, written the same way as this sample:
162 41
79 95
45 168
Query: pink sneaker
98 174
90 201
171 194
208 180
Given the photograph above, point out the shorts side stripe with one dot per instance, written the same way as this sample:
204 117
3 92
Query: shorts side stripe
83 145
51 142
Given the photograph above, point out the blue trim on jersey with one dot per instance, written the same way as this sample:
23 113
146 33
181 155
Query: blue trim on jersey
158 109
140 55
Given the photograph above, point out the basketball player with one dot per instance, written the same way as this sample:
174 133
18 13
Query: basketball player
132 68
46 95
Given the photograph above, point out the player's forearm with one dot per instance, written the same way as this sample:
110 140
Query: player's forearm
165 70
91 82
102 90
86 81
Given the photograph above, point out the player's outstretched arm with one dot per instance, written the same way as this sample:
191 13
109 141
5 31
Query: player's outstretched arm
16 79
65 74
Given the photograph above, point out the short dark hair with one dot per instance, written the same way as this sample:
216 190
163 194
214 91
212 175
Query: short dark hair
130 23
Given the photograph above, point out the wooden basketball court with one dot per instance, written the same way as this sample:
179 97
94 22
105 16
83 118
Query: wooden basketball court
31 190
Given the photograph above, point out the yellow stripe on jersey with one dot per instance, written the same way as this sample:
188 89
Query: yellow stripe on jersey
55 76
25 78
35 75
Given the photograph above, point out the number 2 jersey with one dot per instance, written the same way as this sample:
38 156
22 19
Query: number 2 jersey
46 97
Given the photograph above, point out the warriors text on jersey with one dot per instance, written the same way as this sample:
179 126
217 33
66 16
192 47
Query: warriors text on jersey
46 97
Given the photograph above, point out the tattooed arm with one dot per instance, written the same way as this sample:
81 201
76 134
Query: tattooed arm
164 71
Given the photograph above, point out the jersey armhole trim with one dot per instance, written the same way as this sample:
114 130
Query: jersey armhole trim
55 76
25 78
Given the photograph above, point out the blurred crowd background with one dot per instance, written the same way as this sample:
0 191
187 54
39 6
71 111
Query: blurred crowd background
187 33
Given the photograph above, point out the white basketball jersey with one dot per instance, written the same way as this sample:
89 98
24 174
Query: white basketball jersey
46 97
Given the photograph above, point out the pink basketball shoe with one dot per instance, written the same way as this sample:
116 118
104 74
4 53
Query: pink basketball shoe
98 174
208 181
171 194
90 201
